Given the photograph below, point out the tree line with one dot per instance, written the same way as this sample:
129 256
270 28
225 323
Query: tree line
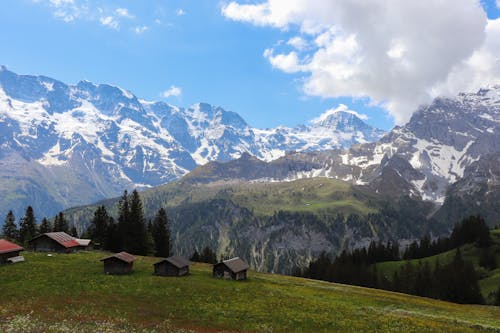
456 281
27 228
131 232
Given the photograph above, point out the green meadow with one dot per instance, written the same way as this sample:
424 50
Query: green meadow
70 293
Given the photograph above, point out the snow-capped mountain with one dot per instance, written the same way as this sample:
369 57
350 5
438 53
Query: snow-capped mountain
421 158
64 145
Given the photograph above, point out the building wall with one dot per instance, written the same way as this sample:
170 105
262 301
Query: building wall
167 269
116 267
223 272
5 256
45 244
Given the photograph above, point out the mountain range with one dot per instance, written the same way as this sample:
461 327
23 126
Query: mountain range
66 145
421 159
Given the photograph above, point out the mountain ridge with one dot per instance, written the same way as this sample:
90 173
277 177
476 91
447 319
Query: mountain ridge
101 139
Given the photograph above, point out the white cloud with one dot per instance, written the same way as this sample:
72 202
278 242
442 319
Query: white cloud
173 91
399 54
141 29
110 21
498 4
298 43
89 11
123 12
180 12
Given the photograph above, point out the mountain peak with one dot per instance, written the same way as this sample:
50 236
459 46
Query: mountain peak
340 114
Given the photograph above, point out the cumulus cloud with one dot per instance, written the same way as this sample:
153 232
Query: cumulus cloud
399 54
180 12
173 91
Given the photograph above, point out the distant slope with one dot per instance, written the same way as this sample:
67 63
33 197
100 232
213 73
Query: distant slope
276 226
489 280
71 293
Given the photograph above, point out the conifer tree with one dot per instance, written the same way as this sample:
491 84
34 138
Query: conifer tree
60 223
137 234
27 226
9 229
45 226
99 228
123 227
73 232
161 234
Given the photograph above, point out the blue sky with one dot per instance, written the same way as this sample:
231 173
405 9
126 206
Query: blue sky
148 47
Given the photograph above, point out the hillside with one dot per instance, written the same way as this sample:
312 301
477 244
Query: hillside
489 279
276 226
69 292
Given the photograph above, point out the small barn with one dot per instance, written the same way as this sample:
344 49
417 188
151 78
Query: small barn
118 264
172 266
9 252
235 269
59 242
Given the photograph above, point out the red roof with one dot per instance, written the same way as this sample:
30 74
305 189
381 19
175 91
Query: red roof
62 238
6 247
123 256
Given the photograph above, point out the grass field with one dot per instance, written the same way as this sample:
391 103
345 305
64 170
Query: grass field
305 195
69 293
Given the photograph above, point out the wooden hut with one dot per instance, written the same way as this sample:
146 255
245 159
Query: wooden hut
235 269
118 264
172 266
9 252
59 242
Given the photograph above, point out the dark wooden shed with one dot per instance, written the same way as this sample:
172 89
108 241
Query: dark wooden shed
235 269
172 266
118 264
59 242
8 250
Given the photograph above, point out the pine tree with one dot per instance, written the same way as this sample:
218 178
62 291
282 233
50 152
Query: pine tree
73 232
196 256
123 226
45 226
161 234
135 238
113 240
27 226
60 223
9 229
99 228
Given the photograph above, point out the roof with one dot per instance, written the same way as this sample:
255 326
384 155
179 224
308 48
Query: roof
60 237
177 261
6 246
123 256
236 265
83 242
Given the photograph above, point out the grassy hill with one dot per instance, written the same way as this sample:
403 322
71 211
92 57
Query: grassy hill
69 293
490 280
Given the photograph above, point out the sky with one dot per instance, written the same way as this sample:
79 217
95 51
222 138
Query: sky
275 62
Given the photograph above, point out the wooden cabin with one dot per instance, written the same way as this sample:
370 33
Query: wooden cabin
172 266
118 264
59 242
235 269
9 252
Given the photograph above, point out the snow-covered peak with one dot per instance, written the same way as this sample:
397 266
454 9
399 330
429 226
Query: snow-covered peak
334 115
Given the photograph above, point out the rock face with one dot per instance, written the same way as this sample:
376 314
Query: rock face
420 159
65 145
